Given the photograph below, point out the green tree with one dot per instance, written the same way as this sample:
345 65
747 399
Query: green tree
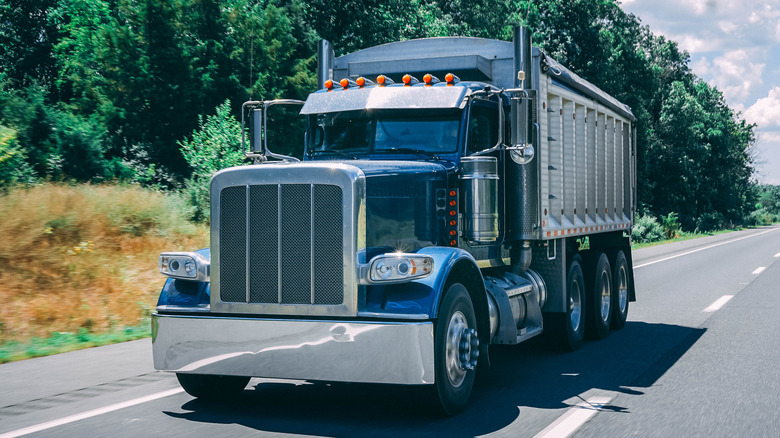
215 145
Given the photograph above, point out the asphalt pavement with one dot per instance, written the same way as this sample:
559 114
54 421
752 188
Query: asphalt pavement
697 357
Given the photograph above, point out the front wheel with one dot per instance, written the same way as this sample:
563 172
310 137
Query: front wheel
211 387
456 349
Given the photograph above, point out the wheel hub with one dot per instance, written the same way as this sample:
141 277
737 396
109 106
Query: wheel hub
462 349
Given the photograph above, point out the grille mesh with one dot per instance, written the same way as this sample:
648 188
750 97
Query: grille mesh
293 227
232 240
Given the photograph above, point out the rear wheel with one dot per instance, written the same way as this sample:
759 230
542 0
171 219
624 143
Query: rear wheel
599 287
620 279
212 387
456 348
574 322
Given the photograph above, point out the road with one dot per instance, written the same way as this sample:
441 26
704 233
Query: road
698 357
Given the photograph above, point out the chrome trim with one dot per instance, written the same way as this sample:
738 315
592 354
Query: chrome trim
180 309
368 352
494 263
311 242
278 243
352 182
247 241
410 316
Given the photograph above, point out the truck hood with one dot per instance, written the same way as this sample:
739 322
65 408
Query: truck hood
405 203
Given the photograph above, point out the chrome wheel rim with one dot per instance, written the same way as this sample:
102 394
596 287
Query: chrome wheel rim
605 296
575 305
622 291
462 348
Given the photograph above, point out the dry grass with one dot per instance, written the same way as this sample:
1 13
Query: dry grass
75 257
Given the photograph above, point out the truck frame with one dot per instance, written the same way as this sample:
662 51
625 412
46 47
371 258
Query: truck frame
428 220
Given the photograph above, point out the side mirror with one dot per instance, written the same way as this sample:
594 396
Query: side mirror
258 125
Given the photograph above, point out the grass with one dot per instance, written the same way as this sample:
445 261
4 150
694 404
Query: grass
682 236
62 342
78 264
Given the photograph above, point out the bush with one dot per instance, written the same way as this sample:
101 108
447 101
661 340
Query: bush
671 224
14 168
647 229
215 145
711 221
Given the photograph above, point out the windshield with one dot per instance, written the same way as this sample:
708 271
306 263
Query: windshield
385 132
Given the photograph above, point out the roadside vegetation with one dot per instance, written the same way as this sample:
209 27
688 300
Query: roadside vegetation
78 264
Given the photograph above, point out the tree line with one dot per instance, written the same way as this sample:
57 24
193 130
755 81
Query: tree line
97 90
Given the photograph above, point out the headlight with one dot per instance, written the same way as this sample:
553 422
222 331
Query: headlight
185 265
399 267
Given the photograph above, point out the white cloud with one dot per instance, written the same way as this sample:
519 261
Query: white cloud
736 75
766 114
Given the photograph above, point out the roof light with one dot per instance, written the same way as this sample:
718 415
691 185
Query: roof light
362 82
329 84
410 80
383 80
344 83
451 79
430 79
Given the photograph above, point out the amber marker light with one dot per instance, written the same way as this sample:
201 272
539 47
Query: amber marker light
451 79
383 80
430 79
329 84
344 83
409 80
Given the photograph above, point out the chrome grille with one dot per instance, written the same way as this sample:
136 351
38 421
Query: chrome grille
295 237
286 239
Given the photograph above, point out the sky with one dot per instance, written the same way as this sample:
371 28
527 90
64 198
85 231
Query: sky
735 46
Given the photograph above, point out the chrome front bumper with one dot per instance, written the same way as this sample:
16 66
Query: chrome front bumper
369 352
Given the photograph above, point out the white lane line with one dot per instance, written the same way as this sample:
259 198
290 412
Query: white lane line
759 270
574 418
88 414
702 249
720 302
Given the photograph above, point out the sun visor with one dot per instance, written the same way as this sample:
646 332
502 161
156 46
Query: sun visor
390 97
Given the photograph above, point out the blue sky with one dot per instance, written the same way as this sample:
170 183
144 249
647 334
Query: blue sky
735 46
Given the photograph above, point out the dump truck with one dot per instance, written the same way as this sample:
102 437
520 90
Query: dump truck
453 193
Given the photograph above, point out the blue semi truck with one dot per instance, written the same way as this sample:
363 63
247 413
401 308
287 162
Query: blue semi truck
454 193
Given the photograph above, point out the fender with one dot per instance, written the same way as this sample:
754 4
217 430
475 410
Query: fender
420 299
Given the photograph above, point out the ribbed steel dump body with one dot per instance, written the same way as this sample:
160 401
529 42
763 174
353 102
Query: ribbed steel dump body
587 164
284 238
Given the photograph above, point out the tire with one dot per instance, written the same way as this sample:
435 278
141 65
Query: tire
456 349
620 288
599 292
574 319
209 387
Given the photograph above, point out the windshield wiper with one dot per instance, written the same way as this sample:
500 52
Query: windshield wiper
334 151
406 151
